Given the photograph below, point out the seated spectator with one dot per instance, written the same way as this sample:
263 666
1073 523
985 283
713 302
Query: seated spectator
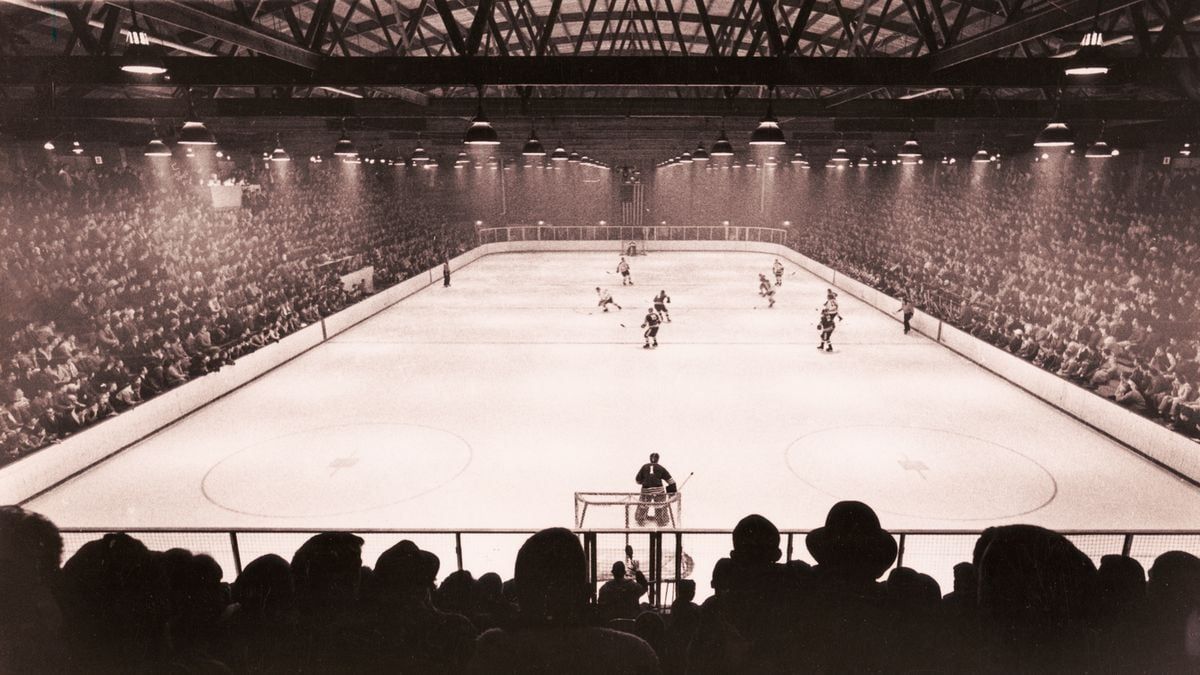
550 635
618 597
30 620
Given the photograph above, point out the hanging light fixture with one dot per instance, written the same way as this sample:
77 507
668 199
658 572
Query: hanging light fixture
141 57
981 156
797 157
1089 60
76 146
1101 150
49 145
193 131
840 156
573 157
722 147
533 147
768 131
1054 135
481 132
700 155
419 156
156 147
462 160
685 158
1184 151
279 154
911 149
559 155
344 147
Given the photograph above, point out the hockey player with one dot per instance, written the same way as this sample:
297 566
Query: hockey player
606 299
623 270
656 484
651 325
763 284
777 268
770 298
660 305
829 312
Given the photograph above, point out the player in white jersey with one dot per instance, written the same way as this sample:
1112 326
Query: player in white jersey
660 305
623 270
605 298
777 268
829 312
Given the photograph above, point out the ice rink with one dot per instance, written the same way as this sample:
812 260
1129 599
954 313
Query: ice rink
489 403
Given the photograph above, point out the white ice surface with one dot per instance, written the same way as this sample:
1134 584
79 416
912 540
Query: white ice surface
488 404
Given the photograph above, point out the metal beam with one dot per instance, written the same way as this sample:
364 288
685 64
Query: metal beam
1052 17
361 71
1184 112
453 32
481 22
190 18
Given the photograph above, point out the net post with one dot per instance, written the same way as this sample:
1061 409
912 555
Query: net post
900 552
789 546
237 553
458 549
1127 544
678 557
589 547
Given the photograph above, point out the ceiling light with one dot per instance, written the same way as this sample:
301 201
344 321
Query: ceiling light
419 156
141 57
840 156
911 148
315 159
1101 150
279 154
533 147
797 157
1054 135
49 145
1089 59
156 148
462 159
193 132
700 155
685 158
1184 151
76 147
481 132
559 155
573 158
344 147
981 156
722 147
768 131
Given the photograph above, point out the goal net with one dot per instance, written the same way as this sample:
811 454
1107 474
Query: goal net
629 510
632 247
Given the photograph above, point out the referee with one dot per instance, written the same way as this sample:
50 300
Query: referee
656 484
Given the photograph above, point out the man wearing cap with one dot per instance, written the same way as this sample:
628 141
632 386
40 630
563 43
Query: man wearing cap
656 484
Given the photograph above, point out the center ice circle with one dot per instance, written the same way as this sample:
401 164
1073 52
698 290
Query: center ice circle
920 472
336 470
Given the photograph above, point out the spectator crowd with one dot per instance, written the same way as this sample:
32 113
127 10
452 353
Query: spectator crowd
1028 601
120 284
1087 270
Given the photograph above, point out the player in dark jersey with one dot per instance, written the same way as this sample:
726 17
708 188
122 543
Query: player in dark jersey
623 270
660 305
777 268
829 312
656 484
651 325
763 285
770 298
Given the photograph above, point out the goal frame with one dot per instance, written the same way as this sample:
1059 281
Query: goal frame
630 501
639 246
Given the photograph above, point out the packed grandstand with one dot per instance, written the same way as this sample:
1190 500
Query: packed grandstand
120 284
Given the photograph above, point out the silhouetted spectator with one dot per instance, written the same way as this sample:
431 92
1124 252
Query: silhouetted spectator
1173 597
618 597
30 621
552 587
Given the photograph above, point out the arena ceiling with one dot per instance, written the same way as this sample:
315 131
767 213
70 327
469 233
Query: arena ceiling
626 80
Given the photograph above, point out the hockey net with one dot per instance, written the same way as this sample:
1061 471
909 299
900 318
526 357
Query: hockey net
628 510
632 247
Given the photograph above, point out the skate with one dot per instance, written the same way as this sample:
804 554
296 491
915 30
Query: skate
646 346
821 346
829 348
655 345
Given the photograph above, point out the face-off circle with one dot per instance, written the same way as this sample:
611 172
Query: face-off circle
336 470
921 472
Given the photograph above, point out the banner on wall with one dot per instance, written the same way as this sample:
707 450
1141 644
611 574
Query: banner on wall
226 196
364 276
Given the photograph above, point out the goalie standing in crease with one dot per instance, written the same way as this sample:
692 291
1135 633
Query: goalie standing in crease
656 484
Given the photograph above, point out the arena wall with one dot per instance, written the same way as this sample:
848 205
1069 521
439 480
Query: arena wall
50 466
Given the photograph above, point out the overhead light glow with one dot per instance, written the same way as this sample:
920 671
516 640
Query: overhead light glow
1055 135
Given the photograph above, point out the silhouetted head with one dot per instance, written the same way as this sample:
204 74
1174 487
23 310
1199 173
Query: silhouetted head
404 569
30 541
685 590
265 585
852 544
551 577
1122 582
326 568
755 541
618 570
456 594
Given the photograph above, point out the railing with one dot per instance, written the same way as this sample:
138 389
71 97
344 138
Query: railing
544 232
666 555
